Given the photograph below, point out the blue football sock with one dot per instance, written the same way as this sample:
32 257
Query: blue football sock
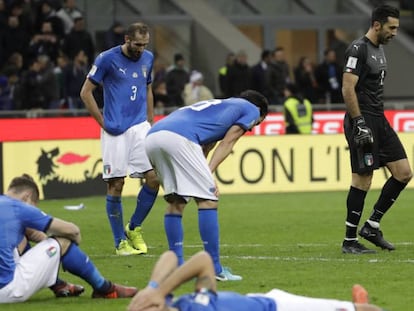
76 262
175 235
209 232
114 212
145 201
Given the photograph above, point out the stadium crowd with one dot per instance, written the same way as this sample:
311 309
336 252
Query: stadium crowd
46 51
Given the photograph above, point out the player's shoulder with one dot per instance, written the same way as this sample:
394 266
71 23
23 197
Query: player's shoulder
148 55
110 52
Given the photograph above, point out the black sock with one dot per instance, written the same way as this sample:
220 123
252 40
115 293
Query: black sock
355 205
389 194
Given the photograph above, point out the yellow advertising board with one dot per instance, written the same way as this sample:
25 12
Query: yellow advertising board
283 163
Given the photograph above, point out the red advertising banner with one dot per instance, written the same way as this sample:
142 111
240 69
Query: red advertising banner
87 128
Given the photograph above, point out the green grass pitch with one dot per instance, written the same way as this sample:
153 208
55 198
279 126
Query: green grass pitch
289 241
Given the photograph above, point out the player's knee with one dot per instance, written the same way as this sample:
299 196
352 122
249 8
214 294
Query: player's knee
64 244
116 185
151 180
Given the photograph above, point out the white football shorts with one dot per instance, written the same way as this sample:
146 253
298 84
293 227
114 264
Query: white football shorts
125 153
180 165
289 302
36 269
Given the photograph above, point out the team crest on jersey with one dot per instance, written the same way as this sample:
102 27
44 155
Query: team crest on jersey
51 251
107 169
144 70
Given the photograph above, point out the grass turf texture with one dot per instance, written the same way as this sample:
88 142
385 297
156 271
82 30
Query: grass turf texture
290 241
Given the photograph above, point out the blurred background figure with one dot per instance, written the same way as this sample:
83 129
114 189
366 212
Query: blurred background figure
161 99
222 74
114 35
177 77
73 76
195 90
329 78
238 75
279 75
305 79
68 13
79 39
260 74
297 111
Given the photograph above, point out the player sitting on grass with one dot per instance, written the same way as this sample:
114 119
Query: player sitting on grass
37 268
166 277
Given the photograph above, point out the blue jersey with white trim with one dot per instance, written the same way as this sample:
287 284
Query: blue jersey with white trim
125 88
15 217
224 301
208 121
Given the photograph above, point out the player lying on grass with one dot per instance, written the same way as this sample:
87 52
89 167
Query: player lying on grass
37 268
166 277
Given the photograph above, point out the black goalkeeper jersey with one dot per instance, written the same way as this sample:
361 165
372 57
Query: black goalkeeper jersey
367 61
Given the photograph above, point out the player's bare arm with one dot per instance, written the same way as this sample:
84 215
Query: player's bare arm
65 229
225 147
150 104
349 82
88 99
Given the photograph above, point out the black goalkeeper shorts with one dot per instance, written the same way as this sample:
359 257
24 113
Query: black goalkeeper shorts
386 148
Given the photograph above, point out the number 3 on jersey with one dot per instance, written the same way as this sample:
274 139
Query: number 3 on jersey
134 90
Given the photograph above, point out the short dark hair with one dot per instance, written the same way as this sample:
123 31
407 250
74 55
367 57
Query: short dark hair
256 99
381 13
25 182
141 28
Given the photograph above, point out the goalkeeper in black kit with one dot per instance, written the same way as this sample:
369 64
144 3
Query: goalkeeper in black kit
372 142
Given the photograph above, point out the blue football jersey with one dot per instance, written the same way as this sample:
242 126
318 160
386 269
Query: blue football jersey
15 217
224 301
124 84
208 121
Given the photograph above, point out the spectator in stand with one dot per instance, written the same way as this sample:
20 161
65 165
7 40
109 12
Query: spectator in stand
238 75
305 79
47 13
15 39
13 82
260 73
45 42
23 10
114 35
79 39
73 77
6 100
61 62
222 74
279 76
177 77
30 95
47 82
68 13
3 15
329 78
297 111
161 100
159 70
195 90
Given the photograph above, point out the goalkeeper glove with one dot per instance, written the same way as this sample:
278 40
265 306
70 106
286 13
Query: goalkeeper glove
361 132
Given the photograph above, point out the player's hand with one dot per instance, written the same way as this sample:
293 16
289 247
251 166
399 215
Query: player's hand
362 134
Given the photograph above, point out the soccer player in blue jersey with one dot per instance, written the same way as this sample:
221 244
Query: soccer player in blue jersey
166 277
23 275
125 74
178 145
